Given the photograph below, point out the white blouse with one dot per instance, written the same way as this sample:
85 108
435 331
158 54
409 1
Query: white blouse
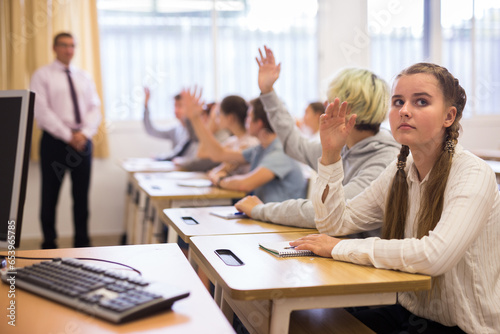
463 249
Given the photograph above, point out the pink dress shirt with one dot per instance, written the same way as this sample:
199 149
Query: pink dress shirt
54 107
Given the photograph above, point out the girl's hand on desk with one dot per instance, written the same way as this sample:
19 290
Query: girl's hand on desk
246 204
320 244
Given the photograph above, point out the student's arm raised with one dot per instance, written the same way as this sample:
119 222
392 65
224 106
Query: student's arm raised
209 146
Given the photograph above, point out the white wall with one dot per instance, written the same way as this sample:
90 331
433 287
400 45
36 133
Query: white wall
342 38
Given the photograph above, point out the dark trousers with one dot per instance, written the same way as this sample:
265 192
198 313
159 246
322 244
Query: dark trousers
57 157
396 319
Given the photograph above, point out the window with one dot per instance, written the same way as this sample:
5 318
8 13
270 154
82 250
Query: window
471 49
396 30
171 44
469 43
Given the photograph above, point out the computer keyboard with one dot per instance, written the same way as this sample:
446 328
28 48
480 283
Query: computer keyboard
94 290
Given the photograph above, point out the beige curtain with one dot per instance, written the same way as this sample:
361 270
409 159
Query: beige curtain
27 28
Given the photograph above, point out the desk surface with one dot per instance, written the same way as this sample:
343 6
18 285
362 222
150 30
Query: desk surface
495 165
134 165
197 313
487 154
264 276
212 225
168 188
173 175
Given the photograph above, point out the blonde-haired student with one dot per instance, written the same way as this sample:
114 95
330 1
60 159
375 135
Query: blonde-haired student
439 209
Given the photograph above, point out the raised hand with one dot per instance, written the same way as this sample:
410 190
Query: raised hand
269 72
192 104
334 128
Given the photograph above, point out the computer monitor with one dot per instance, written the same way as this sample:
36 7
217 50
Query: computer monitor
16 123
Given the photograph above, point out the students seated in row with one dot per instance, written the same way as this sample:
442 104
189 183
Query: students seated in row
365 154
190 161
232 116
273 175
439 209
184 140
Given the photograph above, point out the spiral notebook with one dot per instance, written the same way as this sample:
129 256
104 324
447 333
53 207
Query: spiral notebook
283 249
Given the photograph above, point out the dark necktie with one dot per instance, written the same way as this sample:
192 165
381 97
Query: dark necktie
73 98
179 151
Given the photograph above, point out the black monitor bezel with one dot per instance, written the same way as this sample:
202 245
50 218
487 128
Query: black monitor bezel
21 165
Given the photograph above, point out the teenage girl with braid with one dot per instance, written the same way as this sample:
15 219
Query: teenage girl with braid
439 209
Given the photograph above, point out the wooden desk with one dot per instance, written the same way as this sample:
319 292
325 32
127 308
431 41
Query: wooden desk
132 195
209 224
265 290
160 191
136 165
495 165
487 154
195 314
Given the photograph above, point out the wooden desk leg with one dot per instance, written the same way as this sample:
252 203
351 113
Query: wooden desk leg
127 213
152 217
139 217
218 294
280 318
281 308
131 207
226 309
172 235
158 224
156 228
192 259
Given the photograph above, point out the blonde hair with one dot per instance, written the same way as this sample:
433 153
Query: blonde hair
366 94
433 195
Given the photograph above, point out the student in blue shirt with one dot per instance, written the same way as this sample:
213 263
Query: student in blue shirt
273 175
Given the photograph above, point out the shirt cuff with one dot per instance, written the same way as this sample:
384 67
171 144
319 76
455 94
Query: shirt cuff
330 173
358 251
256 212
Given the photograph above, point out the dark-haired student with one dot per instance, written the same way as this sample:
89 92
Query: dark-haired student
182 136
439 209
232 117
309 124
273 176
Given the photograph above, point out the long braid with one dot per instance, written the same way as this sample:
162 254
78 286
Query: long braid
397 201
